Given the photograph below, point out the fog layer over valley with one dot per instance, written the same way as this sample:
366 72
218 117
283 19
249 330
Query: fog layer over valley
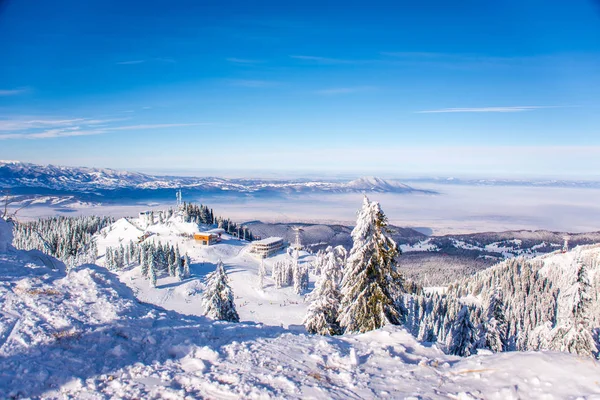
456 209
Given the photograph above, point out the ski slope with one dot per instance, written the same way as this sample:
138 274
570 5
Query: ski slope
269 305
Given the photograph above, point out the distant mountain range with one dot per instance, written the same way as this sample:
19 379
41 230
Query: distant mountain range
563 183
95 184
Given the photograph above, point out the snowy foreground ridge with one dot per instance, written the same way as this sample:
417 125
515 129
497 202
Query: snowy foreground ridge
85 336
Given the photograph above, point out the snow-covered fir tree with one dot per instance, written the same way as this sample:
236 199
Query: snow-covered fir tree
371 287
495 328
70 239
143 261
186 267
299 275
261 274
573 330
301 279
151 264
217 299
322 315
283 273
462 339
178 264
152 274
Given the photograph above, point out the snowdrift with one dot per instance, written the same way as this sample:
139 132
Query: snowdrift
84 334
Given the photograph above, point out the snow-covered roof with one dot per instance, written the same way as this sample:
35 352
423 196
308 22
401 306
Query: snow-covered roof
270 240
206 233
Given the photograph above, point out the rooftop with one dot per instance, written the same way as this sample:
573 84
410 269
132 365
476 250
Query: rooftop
270 240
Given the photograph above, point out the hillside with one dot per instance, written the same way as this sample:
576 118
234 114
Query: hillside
83 334
107 185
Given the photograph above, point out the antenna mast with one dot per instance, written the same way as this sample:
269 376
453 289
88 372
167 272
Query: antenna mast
566 244
179 199
298 244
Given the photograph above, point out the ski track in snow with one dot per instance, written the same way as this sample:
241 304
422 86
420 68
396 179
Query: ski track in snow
85 335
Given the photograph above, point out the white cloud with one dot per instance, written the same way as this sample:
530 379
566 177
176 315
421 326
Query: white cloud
242 60
52 133
27 123
45 128
328 60
153 126
13 92
131 62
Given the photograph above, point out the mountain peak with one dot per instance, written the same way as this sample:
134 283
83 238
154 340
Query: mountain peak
373 183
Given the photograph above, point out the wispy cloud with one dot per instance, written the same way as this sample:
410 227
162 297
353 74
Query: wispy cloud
13 92
344 90
415 54
166 60
488 109
236 60
131 62
328 60
25 123
52 133
153 126
46 128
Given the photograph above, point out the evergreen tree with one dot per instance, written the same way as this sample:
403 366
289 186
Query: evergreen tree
322 314
173 262
186 266
371 286
218 298
299 275
462 339
152 274
495 328
573 333
261 274
143 261
151 264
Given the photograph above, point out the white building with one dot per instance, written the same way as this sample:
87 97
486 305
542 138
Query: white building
265 247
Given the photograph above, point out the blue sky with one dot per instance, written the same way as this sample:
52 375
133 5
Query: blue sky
455 88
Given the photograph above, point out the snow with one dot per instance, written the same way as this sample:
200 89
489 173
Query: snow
279 307
423 245
268 241
87 334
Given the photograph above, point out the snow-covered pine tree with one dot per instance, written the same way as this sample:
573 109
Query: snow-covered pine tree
322 313
462 339
151 264
300 279
217 298
371 286
275 274
186 266
573 333
299 275
288 272
495 328
152 274
261 274
334 265
143 261
319 261
172 262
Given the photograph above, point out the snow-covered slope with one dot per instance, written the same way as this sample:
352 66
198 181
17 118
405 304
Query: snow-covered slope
14 174
85 335
268 305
